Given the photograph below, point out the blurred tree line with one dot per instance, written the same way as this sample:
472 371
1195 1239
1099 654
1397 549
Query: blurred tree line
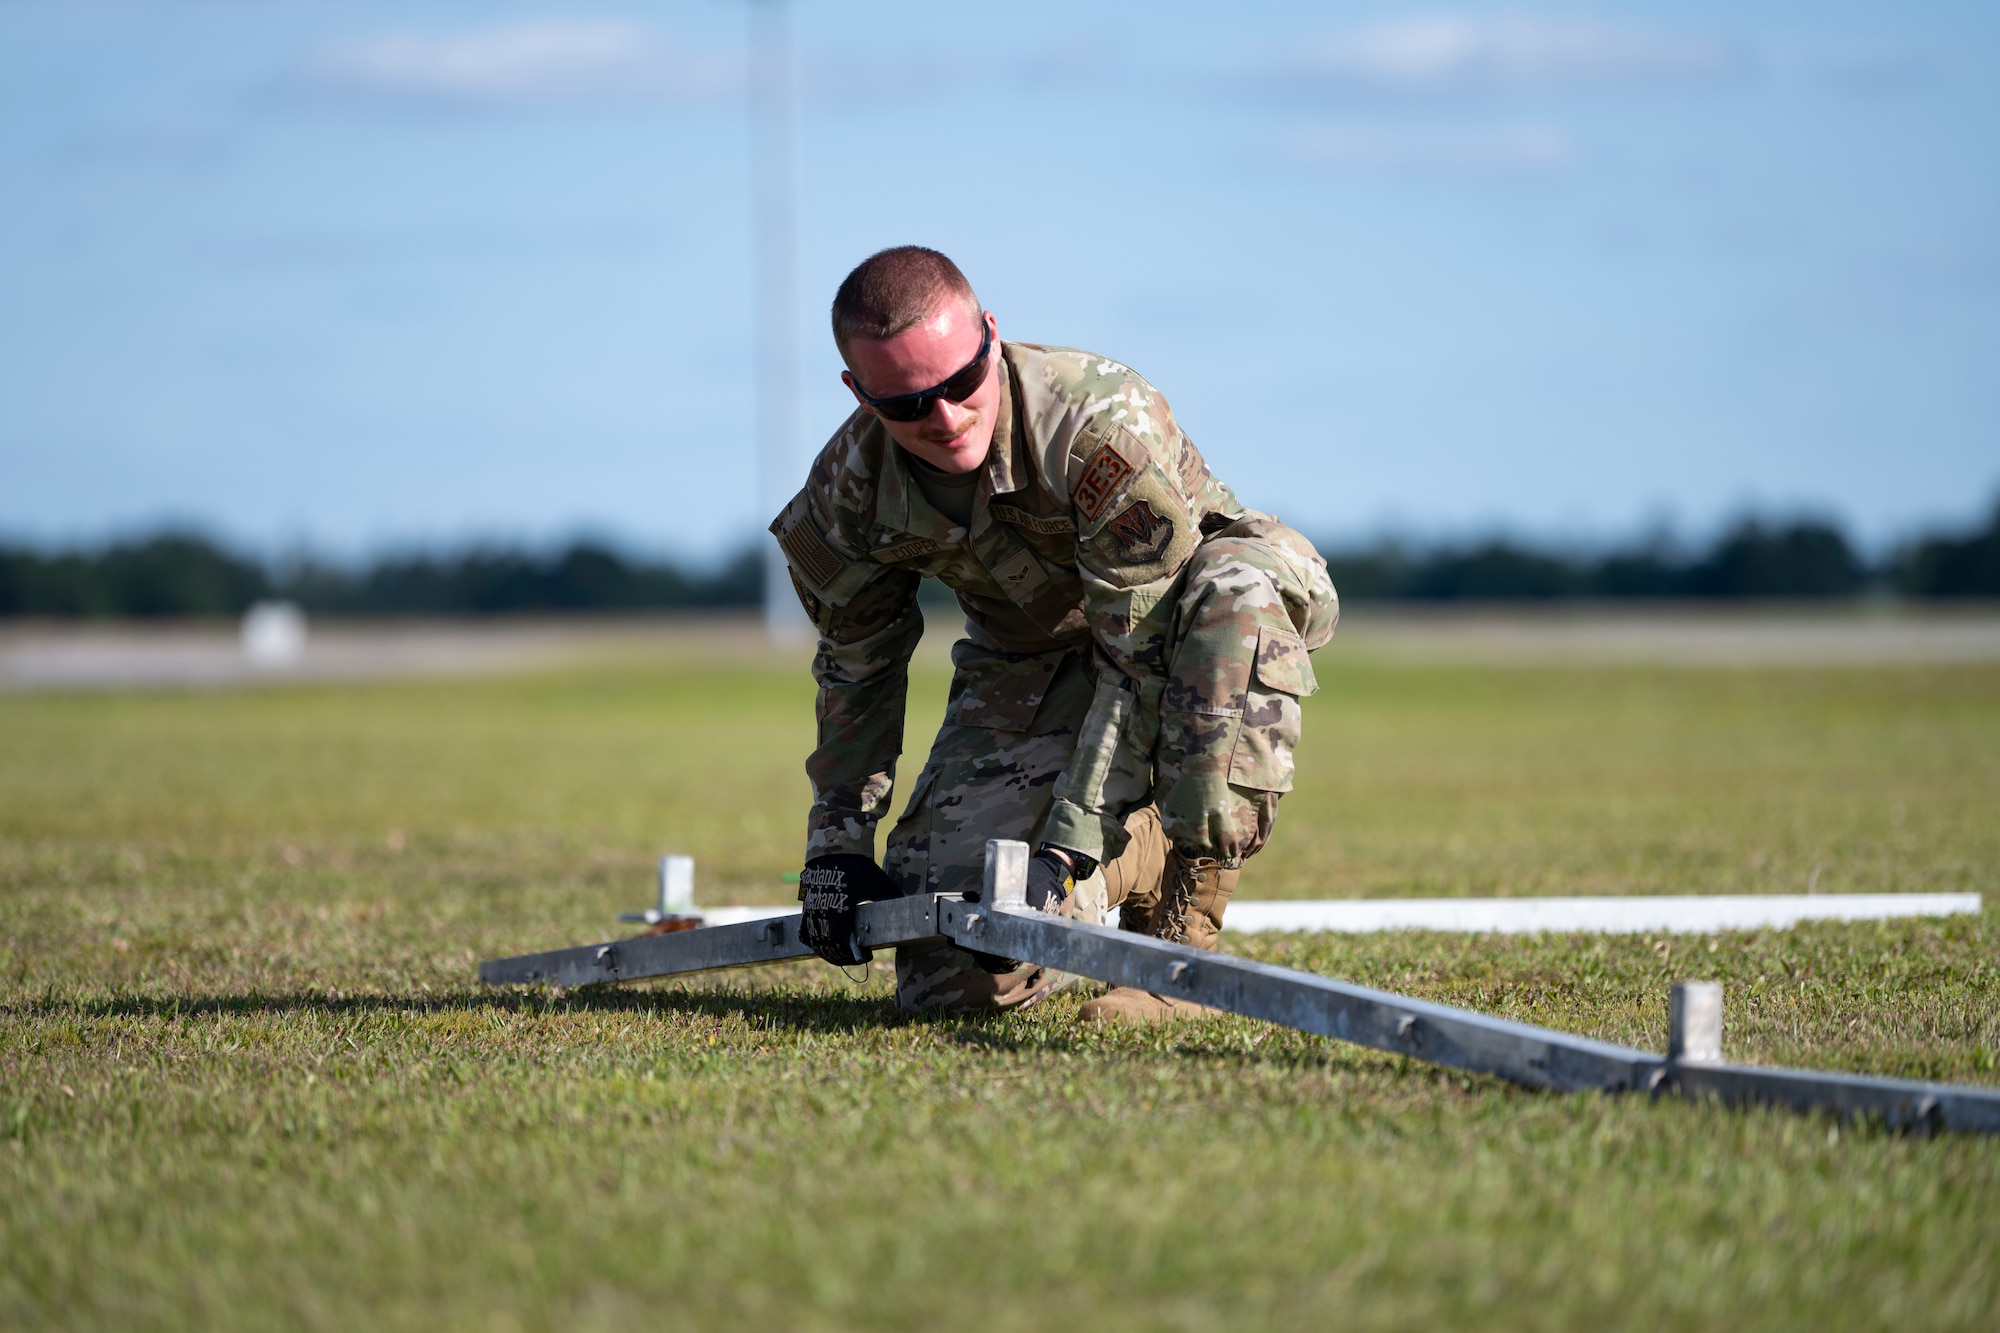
1798 560
186 574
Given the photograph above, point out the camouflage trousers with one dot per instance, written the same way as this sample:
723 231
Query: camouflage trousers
1250 605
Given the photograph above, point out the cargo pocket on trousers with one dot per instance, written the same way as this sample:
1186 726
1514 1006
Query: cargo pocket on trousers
1000 691
1268 732
907 857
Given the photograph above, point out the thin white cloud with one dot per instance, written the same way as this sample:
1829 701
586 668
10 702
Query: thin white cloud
1456 53
556 60
1504 148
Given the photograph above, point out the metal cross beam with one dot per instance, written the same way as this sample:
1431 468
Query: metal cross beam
1000 922
898 921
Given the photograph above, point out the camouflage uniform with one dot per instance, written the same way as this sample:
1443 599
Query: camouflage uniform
1134 636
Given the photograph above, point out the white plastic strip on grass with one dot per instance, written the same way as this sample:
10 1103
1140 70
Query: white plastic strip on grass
730 916
1690 915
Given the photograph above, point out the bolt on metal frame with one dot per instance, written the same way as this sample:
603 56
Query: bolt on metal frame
1001 922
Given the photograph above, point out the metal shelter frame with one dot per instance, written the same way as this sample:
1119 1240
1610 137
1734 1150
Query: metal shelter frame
1000 922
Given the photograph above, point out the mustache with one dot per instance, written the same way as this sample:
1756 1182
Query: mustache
946 437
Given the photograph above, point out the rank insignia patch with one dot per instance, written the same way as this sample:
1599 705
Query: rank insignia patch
1142 534
1020 575
1102 476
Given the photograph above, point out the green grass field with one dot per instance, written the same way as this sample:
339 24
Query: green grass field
247 1078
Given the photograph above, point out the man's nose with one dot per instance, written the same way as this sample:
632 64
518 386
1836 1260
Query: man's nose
949 415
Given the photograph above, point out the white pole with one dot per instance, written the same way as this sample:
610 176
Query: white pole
774 116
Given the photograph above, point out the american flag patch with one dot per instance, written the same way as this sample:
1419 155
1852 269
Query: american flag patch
809 553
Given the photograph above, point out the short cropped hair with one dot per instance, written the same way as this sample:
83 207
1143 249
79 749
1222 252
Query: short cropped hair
895 290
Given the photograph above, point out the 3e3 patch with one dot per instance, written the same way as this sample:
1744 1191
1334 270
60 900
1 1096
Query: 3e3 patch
1103 475
1142 533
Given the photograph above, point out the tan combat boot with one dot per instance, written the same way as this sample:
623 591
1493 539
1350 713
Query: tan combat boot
1194 892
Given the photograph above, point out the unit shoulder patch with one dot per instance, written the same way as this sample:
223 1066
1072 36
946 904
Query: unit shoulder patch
1142 532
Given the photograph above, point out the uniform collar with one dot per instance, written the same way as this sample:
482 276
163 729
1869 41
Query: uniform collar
1007 460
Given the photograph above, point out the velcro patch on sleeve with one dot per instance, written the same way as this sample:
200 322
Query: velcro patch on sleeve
1147 535
815 561
1104 473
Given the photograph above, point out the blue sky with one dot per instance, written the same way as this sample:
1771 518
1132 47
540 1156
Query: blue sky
359 274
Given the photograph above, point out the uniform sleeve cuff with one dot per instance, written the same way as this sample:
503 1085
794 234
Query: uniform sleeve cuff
1078 830
841 835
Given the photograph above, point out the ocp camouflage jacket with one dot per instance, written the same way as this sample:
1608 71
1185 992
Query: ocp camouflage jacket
1091 502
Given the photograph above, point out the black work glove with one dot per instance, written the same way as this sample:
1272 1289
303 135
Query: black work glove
832 888
1051 879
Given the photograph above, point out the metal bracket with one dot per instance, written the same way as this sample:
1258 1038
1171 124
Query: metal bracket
1004 879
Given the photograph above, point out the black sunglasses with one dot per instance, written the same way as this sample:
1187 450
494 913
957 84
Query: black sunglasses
961 386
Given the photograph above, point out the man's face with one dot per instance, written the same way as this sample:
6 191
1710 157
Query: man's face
955 437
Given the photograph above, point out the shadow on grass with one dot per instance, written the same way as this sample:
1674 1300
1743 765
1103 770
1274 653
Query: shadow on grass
1051 1027
806 1010
828 1011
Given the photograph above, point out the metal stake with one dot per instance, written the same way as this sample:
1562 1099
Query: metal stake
676 909
1694 1022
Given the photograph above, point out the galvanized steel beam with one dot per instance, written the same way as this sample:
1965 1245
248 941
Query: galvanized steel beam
1000 922
768 941
1904 1104
1532 1056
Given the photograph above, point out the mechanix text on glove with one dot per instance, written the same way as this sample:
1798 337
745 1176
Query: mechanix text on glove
831 891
